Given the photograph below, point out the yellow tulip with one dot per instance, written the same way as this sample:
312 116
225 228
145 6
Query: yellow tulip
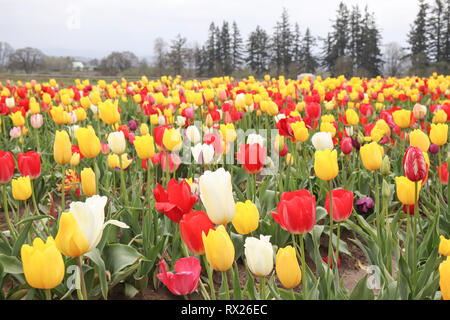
109 112
17 119
444 246
418 138
154 119
325 164
405 190
75 159
228 132
88 142
172 139
114 161
219 249
440 116
287 267
246 219
143 129
21 188
301 133
42 263
80 113
372 155
444 281
62 148
34 106
88 183
70 240
59 115
328 127
145 146
439 133
402 118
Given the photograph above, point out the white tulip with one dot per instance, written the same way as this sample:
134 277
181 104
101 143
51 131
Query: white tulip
10 103
181 121
259 255
216 193
116 142
279 116
349 131
322 141
192 134
203 153
255 138
94 108
90 218
161 120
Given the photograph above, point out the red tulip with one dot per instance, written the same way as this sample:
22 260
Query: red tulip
7 166
29 164
313 110
444 174
158 134
296 212
414 164
342 204
192 225
177 201
325 259
346 145
185 280
252 157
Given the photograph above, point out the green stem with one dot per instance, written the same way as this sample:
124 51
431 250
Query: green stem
211 283
63 187
149 189
48 294
304 282
5 208
94 160
416 216
262 288
225 280
292 294
83 283
37 139
122 182
167 169
337 240
330 244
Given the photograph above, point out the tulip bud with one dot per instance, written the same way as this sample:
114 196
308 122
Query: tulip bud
62 148
414 164
15 132
386 190
346 145
386 166
360 138
433 148
287 267
209 121
88 183
75 159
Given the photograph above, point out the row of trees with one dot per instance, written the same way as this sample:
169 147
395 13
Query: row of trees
352 47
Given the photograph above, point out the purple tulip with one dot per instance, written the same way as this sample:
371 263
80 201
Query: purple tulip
364 204
355 143
132 125
433 148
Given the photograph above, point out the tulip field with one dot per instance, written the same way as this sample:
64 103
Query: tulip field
223 188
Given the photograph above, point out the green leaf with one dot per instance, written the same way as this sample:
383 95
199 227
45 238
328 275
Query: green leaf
237 295
95 257
21 239
361 291
10 264
119 256
130 291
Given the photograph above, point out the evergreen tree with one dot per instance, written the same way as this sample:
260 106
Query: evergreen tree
446 54
258 57
337 44
356 41
371 53
308 61
418 39
277 49
199 61
436 32
236 47
218 52
226 50
210 51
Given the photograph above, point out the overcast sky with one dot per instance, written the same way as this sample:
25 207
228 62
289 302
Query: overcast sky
93 28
